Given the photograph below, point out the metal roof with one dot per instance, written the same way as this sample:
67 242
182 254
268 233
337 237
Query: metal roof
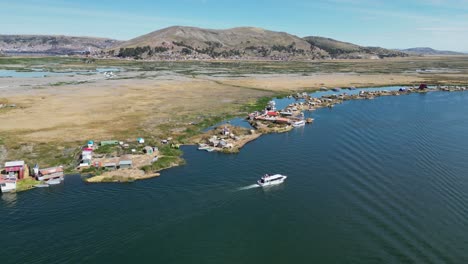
14 163
125 162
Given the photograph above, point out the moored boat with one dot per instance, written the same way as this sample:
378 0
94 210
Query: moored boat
299 123
269 180
203 146
41 185
53 181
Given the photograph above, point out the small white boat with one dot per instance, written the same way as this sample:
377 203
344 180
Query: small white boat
53 181
203 147
269 180
298 123
210 149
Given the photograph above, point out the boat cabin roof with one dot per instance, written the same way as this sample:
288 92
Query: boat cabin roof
271 177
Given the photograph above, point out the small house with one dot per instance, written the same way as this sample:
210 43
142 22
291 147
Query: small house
86 155
110 166
272 113
125 164
222 144
225 131
422 86
16 169
90 144
108 142
148 150
141 140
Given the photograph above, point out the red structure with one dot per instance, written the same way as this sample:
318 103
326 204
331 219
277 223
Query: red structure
422 86
272 113
15 167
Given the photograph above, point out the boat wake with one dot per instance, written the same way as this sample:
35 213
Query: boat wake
248 187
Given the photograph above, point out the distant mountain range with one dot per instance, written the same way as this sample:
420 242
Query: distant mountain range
53 45
179 43
430 51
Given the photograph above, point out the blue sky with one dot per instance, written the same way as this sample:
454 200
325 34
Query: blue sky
392 24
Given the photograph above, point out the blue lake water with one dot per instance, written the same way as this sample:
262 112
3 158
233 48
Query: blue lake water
370 181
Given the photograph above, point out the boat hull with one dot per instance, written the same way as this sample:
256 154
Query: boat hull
53 181
272 183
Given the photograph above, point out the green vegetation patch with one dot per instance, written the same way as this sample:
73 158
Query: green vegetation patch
163 163
26 184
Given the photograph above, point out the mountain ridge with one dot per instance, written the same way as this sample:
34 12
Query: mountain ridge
345 50
186 42
239 42
430 51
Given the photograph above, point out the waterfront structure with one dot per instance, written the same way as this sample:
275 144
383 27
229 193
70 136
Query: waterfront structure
16 168
50 173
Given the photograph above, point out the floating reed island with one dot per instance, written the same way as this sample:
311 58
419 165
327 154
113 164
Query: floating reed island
230 139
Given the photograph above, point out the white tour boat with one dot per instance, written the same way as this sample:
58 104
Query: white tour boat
299 123
269 180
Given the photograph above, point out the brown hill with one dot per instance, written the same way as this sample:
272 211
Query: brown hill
242 42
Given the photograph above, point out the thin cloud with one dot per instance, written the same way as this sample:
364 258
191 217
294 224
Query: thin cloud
444 29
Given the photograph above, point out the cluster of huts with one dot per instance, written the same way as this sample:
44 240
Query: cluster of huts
224 138
89 158
16 171
293 113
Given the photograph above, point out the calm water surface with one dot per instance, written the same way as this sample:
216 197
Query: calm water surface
371 181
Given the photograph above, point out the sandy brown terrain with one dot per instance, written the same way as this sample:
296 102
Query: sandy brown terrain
291 83
103 109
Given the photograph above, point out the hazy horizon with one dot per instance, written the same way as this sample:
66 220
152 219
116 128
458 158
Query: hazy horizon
397 24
